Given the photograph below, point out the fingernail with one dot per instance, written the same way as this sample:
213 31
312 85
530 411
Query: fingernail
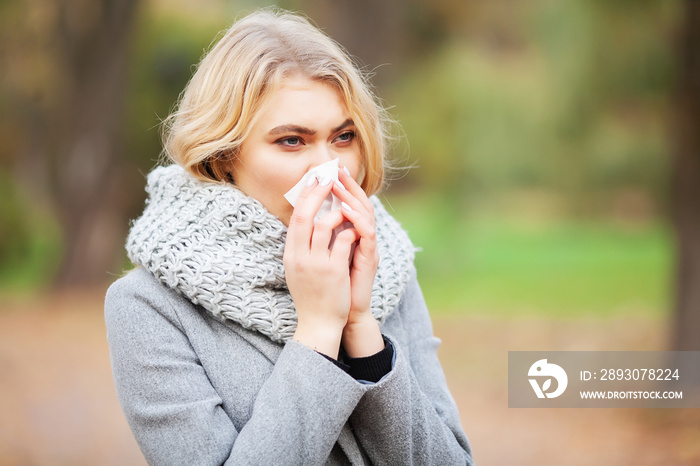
325 181
346 207
311 181
347 172
340 185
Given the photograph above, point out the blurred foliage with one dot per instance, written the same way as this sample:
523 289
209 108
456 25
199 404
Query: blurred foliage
14 222
505 265
570 98
29 240
29 237
167 44
551 110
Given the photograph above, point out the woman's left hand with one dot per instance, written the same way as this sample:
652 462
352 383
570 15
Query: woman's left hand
361 335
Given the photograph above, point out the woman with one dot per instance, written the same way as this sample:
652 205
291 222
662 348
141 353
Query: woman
255 332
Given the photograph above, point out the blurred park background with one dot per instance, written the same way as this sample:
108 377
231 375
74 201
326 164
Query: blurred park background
554 191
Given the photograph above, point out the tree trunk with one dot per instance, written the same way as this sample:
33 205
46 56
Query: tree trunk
93 40
685 182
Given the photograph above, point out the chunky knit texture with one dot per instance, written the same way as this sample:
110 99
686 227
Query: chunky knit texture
223 251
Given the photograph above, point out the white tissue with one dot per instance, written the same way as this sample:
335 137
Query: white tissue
326 170
330 203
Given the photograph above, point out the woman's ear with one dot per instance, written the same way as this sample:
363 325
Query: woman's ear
225 161
209 166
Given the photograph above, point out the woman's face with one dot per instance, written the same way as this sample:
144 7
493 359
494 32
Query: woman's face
304 125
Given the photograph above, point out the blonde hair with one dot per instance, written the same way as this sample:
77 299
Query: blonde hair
236 78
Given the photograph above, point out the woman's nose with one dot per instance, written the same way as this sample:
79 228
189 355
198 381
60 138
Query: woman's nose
322 154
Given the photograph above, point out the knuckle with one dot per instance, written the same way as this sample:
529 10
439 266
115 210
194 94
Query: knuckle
349 234
298 219
300 265
372 235
294 262
322 225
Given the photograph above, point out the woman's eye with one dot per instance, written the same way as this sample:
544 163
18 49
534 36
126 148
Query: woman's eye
292 141
346 137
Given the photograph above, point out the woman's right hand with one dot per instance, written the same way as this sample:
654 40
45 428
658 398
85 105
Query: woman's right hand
318 278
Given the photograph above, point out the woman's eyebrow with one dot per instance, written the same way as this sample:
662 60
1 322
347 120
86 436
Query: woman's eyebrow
291 129
304 130
343 125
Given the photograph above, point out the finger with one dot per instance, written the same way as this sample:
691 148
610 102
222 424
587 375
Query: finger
352 203
355 189
323 232
343 245
366 255
367 247
363 222
301 222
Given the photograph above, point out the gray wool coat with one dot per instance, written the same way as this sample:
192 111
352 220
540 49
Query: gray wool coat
198 391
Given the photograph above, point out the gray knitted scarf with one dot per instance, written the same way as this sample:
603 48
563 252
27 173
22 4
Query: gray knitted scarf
223 251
